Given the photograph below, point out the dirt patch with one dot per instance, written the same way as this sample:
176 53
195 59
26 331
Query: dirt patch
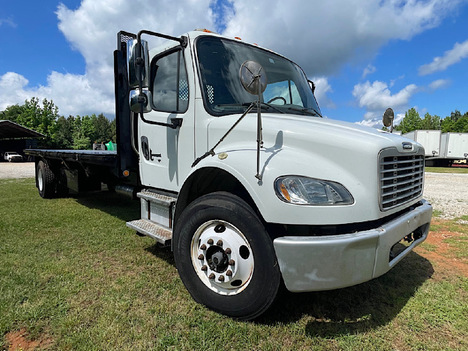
442 254
19 340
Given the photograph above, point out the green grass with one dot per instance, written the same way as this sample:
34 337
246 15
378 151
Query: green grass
72 273
455 170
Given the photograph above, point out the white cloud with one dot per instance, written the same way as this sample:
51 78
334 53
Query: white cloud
320 35
377 97
450 57
8 21
439 83
323 35
92 30
13 88
368 70
375 121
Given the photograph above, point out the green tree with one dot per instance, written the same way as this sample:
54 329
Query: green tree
63 136
410 122
113 130
40 117
82 133
461 124
430 122
11 113
102 129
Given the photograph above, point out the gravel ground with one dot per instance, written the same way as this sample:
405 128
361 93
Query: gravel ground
17 170
448 193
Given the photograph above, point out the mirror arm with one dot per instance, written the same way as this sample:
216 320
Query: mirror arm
175 122
182 40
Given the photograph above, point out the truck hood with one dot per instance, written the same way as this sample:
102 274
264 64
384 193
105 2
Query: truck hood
318 148
305 132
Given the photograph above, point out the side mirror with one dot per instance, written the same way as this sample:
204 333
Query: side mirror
138 64
388 118
137 99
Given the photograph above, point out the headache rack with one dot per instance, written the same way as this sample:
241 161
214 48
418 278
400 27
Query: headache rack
401 178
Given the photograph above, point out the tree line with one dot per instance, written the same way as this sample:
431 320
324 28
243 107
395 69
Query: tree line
455 123
73 132
80 132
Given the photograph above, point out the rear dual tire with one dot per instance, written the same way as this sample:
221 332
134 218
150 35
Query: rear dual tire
45 180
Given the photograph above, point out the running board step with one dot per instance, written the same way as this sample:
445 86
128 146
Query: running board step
156 198
149 228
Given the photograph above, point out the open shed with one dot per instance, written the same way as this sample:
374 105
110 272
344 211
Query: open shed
14 137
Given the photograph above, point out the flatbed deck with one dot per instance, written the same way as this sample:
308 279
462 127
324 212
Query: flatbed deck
95 157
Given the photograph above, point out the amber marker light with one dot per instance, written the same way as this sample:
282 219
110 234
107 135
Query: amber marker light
285 192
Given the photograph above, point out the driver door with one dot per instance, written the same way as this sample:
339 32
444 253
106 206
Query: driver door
159 144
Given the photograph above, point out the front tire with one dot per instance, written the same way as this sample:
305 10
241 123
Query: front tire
225 256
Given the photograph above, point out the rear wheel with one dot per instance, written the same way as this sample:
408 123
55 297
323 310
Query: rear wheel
45 179
225 257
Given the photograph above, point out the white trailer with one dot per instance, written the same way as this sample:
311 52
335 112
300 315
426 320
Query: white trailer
454 146
430 139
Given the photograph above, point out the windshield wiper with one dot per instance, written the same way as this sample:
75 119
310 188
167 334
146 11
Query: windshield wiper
308 111
267 106
247 104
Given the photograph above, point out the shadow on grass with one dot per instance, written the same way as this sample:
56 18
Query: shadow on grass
114 204
355 309
162 252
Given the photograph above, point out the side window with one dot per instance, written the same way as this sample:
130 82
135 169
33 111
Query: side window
170 84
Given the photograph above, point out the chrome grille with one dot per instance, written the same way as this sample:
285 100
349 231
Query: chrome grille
401 178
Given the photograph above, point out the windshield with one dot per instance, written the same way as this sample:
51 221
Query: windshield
220 60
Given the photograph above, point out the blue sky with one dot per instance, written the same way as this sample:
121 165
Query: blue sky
364 55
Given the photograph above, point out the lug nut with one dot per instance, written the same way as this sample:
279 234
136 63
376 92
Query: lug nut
204 268
203 247
229 273
210 241
201 257
219 243
221 278
211 276
232 262
228 251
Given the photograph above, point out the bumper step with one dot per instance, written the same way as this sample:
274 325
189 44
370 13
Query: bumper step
149 228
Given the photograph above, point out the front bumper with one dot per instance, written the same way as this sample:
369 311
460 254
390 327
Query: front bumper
316 263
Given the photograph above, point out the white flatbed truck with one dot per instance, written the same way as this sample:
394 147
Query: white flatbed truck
235 168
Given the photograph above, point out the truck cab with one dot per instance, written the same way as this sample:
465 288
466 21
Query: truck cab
237 170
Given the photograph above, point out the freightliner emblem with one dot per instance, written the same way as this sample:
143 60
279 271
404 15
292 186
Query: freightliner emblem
407 146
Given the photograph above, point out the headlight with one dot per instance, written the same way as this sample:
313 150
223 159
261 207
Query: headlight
308 191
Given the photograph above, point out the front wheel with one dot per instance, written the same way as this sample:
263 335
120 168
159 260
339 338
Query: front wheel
225 256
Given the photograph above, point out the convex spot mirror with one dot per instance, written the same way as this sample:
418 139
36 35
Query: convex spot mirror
388 117
253 77
138 99
138 64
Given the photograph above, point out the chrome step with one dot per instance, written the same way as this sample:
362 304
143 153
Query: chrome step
149 228
157 208
156 198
